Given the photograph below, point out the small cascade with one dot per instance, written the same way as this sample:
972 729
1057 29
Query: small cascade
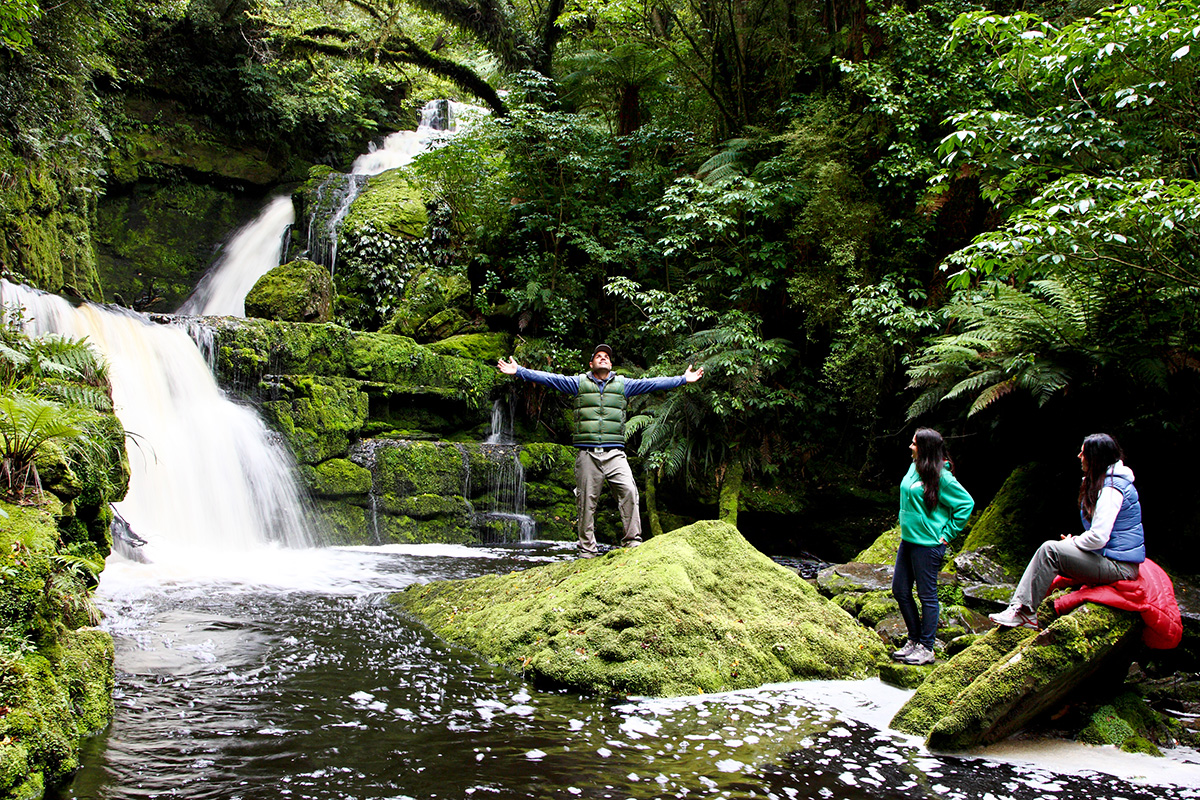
506 520
440 121
207 475
253 251
334 197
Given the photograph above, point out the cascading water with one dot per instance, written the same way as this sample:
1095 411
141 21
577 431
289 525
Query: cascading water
440 121
207 476
252 252
257 247
506 520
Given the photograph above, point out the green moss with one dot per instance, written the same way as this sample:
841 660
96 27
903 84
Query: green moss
436 305
337 477
696 610
1014 522
883 549
487 348
903 676
875 607
319 418
343 523
299 291
407 468
389 203
156 240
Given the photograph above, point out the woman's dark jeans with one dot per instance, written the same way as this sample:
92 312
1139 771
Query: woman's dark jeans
919 565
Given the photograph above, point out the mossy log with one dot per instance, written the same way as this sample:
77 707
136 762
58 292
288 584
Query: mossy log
1010 676
695 610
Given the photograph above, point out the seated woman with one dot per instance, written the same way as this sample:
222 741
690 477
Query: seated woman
1111 546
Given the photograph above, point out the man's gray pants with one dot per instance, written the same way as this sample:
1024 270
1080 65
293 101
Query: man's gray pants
592 468
1064 558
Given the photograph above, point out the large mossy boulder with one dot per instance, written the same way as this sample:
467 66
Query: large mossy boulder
1010 676
1015 523
695 610
299 291
436 305
318 416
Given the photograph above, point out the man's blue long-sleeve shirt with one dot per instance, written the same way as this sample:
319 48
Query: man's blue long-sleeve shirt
569 384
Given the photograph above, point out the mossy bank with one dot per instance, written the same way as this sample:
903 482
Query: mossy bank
56 667
693 611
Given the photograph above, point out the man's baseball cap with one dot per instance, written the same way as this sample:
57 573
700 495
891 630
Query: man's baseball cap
602 348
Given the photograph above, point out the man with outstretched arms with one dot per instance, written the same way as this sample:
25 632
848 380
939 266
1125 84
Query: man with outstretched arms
601 397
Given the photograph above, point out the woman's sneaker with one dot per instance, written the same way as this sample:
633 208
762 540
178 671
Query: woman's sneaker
1015 616
904 651
920 655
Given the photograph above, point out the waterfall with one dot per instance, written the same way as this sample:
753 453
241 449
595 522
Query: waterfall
207 475
506 482
253 251
440 121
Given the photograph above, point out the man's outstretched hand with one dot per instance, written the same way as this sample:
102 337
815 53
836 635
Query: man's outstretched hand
508 367
692 375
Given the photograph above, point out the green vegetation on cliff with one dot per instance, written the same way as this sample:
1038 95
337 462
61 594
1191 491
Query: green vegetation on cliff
695 610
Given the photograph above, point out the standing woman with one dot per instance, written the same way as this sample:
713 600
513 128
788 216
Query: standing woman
934 507
1111 546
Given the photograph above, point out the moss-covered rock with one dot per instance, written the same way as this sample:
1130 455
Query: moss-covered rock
1014 523
883 549
1009 676
56 676
299 291
319 417
387 365
436 305
487 348
389 203
337 477
695 610
1126 723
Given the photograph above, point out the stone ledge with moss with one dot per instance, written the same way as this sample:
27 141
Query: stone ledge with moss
695 610
1010 676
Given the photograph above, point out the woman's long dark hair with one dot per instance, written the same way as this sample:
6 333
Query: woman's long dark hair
931 456
1101 451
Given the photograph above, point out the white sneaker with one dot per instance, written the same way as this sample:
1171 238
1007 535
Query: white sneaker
1015 616
920 655
904 651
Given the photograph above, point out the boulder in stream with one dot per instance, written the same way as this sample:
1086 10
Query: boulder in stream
1010 676
693 611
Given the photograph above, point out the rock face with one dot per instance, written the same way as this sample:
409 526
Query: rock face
1010 676
694 610
299 291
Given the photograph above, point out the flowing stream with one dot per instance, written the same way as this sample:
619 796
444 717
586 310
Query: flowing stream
293 677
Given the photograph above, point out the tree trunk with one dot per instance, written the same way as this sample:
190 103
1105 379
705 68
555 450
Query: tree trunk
656 528
731 491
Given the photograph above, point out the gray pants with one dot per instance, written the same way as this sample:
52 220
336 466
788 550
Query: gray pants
1064 558
592 468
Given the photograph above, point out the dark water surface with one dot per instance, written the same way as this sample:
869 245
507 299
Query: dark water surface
286 674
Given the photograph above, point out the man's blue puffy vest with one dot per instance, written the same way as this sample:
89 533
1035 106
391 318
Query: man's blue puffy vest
1127 542
600 411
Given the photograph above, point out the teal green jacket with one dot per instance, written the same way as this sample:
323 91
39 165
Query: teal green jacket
930 528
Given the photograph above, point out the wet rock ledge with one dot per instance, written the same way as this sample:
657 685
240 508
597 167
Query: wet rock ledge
693 611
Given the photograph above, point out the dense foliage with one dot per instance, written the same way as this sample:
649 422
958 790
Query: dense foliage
855 215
